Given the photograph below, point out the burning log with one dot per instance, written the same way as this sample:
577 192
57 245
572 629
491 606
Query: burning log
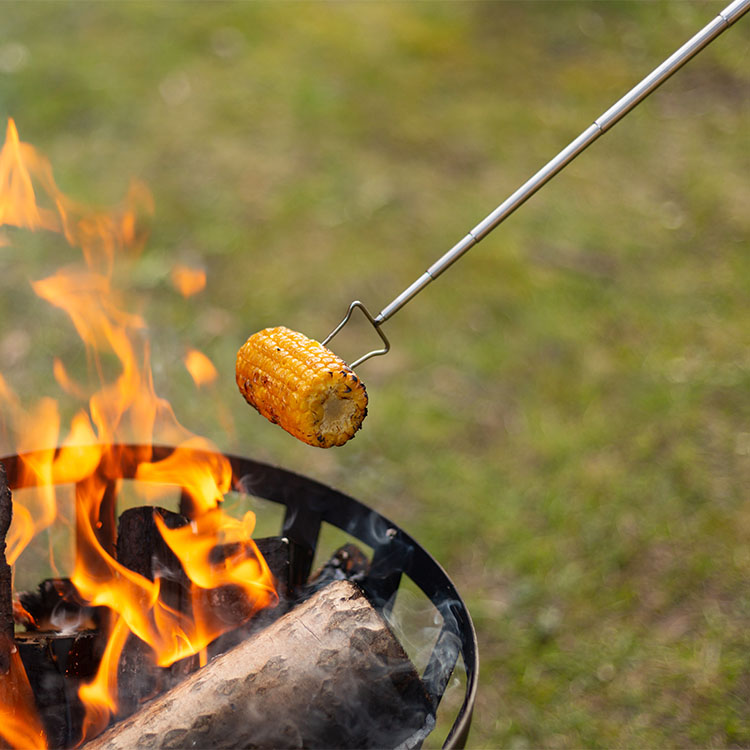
56 607
142 549
348 563
330 673
6 588
232 603
56 664
61 648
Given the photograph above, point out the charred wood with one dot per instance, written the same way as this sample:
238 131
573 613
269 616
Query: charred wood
328 674
348 563
276 554
61 648
56 607
231 604
142 549
55 665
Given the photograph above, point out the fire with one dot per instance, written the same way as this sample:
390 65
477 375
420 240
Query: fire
120 408
20 724
18 205
200 367
188 281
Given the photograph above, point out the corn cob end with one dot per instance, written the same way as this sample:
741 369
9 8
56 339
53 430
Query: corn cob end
300 385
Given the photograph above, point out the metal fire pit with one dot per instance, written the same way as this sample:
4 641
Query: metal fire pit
309 506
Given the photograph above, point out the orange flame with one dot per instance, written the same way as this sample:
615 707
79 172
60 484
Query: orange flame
100 695
188 281
216 551
19 725
18 206
200 367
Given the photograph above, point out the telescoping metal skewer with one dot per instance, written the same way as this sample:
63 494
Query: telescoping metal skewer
601 125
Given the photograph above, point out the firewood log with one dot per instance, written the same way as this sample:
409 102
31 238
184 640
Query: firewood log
328 674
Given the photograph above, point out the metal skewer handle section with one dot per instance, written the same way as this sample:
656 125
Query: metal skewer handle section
601 125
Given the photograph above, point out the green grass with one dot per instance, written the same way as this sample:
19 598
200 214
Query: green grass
564 420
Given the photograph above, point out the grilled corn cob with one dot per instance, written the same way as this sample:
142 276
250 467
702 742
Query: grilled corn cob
299 384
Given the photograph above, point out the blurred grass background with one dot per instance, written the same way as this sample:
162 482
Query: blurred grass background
564 420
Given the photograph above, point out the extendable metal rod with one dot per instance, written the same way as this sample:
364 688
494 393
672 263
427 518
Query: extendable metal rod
614 114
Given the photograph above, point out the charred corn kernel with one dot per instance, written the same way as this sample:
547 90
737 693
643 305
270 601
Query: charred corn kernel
300 385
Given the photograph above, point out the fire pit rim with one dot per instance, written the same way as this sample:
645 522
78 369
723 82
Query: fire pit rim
310 503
